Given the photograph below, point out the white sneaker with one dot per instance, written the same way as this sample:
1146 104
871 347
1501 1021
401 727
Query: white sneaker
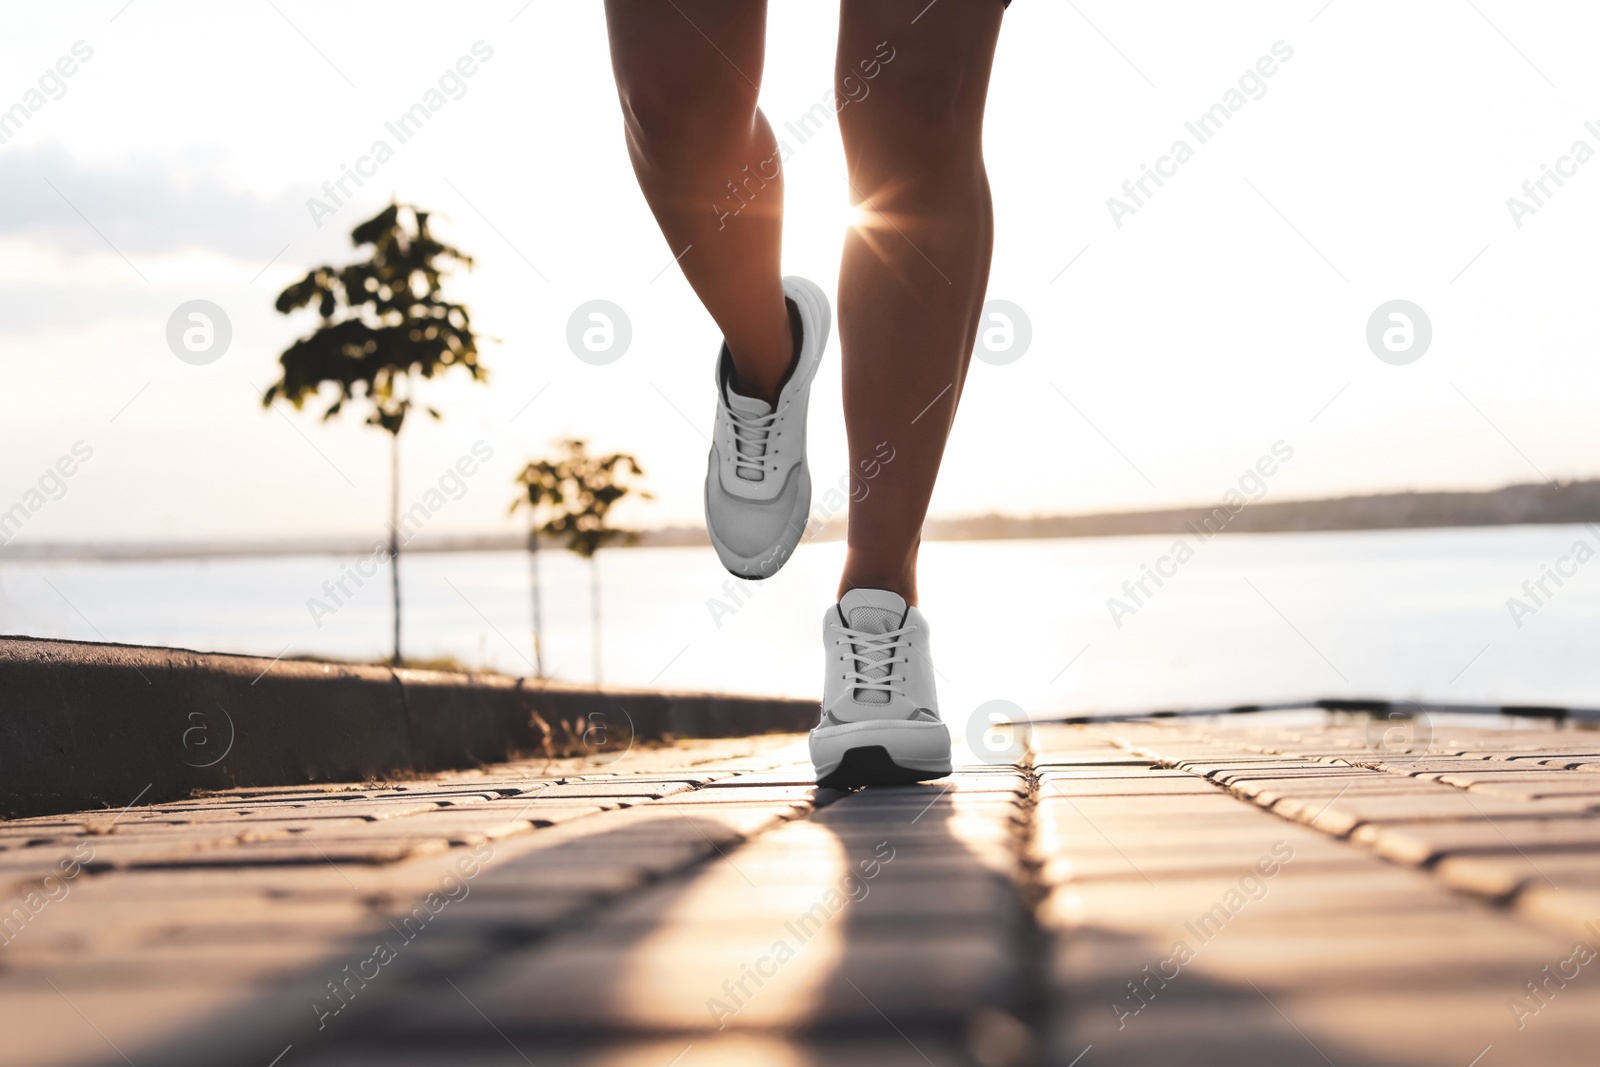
880 714
758 488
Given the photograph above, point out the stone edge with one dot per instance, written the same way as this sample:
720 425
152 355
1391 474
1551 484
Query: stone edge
85 725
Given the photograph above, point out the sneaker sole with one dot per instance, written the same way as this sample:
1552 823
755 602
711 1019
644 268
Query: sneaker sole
764 564
890 752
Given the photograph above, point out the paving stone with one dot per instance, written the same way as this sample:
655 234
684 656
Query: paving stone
1157 864
1067 834
1414 767
1426 842
551 812
801 794
616 787
456 826
1263 1025
1052 759
1347 951
1234 778
1063 826
289 882
188 965
1144 807
729 1049
1500 742
1143 770
1137 786
1239 770
1341 815
673 983
1130 905
1450 1025
1224 1028
352 808
44 1027
339 851
1569 784
750 896
87 926
1268 792
1499 876
1564 907
798 774
1337 755
1556 754
157 854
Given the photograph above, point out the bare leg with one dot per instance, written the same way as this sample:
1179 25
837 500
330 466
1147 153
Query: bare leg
913 278
688 73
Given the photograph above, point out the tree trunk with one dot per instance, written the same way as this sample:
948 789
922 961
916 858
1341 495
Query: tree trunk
594 601
538 617
394 536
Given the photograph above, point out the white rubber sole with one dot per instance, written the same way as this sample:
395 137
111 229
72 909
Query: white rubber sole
818 315
885 752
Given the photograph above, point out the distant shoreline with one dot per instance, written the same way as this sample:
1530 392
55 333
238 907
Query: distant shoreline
1515 505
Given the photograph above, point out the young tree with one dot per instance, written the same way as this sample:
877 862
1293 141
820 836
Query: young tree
542 494
579 490
384 321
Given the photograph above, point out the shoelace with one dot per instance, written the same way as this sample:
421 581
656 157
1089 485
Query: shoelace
865 645
750 433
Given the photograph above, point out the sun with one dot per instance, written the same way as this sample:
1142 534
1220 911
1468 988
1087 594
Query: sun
851 216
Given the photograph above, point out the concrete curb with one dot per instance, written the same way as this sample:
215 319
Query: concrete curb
96 725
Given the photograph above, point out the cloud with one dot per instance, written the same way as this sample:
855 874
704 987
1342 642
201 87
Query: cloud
145 206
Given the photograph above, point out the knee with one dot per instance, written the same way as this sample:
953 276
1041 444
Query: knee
922 136
915 164
672 112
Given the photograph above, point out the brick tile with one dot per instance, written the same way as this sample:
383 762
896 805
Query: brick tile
1568 784
1342 815
1349 951
1425 842
1501 875
615 787
1194 1025
747 894
1143 807
729 792
1572 910
1228 1026
1267 792
666 983
1188 785
1131 905
43 1028
1143 770
726 1049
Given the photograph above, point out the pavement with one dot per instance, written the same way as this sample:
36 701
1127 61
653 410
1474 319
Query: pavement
1227 891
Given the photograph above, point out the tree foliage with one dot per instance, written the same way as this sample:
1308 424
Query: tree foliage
384 320
577 491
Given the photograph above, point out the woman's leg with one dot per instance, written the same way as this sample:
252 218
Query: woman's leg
912 282
688 73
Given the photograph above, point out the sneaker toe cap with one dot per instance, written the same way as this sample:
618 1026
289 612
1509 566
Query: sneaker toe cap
753 528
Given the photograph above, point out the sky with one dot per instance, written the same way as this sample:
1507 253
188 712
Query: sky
1173 345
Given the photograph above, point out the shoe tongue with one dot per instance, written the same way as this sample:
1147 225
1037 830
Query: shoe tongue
745 405
873 611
